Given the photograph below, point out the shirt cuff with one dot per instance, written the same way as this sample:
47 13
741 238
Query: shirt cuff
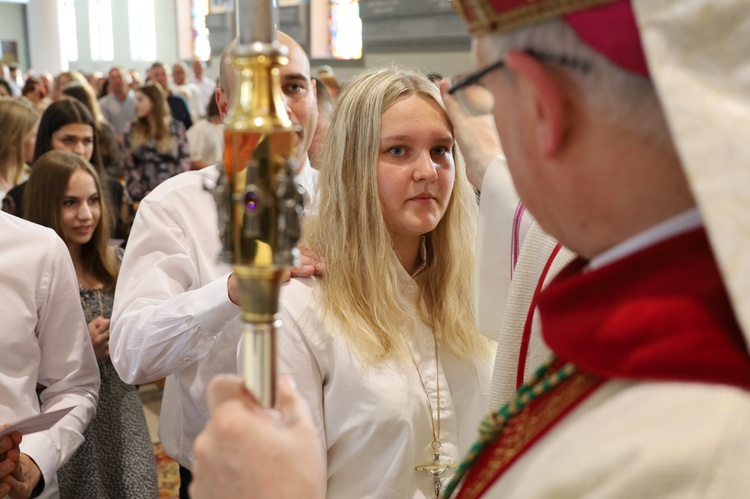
44 451
213 308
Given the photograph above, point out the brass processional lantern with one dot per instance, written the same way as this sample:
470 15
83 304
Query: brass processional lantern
259 204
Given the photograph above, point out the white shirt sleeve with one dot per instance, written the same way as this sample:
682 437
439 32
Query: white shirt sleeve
501 229
163 319
296 357
67 365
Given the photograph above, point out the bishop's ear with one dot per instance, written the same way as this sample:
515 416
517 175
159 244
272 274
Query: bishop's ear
545 100
222 99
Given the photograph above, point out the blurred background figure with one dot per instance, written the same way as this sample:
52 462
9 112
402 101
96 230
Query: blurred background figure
63 80
190 91
5 90
18 128
207 85
14 89
109 148
206 139
15 76
178 105
118 106
327 78
325 109
156 146
34 91
116 458
95 81
135 79
48 81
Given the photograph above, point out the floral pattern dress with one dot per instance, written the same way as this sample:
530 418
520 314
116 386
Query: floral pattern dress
146 167
116 460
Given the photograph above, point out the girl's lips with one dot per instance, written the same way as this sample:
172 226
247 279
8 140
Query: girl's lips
423 197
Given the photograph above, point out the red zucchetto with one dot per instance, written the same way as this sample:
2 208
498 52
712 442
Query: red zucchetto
608 26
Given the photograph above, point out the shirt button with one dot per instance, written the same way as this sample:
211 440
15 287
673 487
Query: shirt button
429 343
410 288
443 404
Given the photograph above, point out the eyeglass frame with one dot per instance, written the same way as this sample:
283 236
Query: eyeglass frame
474 77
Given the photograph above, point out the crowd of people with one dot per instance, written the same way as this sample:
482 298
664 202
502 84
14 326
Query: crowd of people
139 143
533 250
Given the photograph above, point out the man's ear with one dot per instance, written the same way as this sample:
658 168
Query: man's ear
547 100
222 101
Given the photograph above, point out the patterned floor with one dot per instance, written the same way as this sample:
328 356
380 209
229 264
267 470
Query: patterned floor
168 474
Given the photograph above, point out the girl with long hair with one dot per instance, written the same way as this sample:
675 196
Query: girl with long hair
18 128
155 147
116 459
384 346
68 125
109 149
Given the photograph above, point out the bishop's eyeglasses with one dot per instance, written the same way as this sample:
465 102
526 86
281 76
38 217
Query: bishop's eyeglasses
477 100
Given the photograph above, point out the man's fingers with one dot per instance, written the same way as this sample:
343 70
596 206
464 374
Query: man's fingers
6 468
17 488
6 443
226 387
302 271
448 99
290 403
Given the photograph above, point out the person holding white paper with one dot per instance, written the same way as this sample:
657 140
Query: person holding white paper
45 344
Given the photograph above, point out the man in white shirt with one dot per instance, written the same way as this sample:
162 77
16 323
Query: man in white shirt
207 85
175 312
118 106
189 90
44 343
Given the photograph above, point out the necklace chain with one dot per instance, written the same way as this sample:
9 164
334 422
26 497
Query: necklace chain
435 469
435 431
88 310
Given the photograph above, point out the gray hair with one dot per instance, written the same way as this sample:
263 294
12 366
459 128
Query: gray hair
626 99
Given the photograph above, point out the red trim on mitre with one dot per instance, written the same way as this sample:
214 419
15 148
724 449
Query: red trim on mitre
661 314
607 26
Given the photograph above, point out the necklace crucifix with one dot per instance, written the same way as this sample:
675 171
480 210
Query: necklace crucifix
436 469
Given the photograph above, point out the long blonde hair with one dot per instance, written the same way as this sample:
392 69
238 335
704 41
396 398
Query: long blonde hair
73 76
361 290
17 119
142 132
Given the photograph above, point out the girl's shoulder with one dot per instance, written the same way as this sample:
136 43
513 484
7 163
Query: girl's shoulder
117 252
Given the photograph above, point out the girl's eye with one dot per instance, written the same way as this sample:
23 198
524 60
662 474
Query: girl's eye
94 200
440 150
68 202
397 151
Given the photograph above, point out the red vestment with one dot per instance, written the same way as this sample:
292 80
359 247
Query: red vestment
661 314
